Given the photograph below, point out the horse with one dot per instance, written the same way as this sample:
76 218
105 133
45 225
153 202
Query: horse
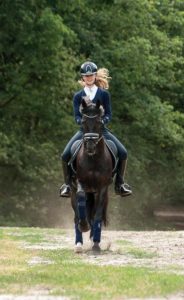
94 169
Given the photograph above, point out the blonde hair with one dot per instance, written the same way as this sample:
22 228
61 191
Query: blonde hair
102 79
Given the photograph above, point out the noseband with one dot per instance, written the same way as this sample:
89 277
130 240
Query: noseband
90 117
95 137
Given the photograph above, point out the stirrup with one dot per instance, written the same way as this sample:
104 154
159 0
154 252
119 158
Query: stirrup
65 190
123 190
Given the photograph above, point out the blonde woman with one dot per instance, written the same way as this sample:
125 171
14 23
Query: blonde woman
95 85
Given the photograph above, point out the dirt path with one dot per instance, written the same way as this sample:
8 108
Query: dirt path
161 250
155 249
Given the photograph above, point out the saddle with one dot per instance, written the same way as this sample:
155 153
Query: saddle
110 145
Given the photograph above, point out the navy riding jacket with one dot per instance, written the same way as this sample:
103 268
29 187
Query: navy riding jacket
104 97
101 95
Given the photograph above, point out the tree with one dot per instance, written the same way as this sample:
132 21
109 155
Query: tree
37 68
43 44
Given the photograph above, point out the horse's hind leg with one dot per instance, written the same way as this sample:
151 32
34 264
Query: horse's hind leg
98 217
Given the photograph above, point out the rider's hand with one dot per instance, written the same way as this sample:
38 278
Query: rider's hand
105 120
79 121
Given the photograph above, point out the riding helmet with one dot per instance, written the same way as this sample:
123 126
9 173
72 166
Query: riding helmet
88 68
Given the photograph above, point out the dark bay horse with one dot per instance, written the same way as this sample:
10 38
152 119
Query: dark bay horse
94 168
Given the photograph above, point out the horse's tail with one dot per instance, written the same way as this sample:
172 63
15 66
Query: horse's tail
90 207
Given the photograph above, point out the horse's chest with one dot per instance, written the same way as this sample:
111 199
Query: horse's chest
94 167
94 172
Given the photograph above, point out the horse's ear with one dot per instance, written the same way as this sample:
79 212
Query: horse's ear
98 103
83 102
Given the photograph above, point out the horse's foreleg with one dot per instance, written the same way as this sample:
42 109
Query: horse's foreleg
78 234
83 225
97 228
81 202
78 239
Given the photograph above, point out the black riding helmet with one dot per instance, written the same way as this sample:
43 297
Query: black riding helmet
88 68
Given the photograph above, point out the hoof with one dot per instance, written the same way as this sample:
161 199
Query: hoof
78 248
96 248
83 226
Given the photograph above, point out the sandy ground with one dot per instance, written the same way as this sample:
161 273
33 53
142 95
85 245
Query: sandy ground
161 250
155 249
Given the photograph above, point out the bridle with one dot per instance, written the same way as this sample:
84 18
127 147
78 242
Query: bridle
95 138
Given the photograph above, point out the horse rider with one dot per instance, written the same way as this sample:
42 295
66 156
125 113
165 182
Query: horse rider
95 83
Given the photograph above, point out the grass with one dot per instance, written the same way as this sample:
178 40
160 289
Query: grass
69 275
128 248
140 254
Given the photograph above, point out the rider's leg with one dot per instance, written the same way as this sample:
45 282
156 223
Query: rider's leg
120 187
65 189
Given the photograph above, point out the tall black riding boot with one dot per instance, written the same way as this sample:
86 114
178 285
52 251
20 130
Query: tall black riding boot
65 189
121 188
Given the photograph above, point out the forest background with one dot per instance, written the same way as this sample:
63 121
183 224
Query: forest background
42 45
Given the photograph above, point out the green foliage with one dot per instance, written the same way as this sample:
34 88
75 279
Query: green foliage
42 44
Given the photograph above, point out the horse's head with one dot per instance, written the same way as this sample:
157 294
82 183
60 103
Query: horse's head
92 124
91 116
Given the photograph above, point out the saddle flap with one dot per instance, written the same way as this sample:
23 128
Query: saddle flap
75 146
114 152
74 150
